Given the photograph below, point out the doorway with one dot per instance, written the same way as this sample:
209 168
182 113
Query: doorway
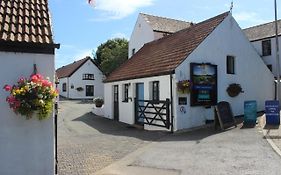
116 102
139 118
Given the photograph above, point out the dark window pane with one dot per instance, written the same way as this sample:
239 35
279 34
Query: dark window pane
88 77
89 90
155 90
64 87
230 65
266 47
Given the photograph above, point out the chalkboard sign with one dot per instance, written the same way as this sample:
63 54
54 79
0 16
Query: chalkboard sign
224 116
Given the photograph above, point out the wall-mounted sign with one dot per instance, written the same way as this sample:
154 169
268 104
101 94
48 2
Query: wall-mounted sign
204 84
182 101
272 112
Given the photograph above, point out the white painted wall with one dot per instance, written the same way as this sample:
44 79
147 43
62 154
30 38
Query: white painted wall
61 82
27 146
141 34
77 81
255 79
126 109
270 59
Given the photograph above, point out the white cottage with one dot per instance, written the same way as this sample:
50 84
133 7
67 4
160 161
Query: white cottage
82 79
262 38
212 54
149 28
27 146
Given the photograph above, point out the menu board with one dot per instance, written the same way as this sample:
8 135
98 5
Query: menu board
204 84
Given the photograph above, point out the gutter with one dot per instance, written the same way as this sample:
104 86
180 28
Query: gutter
172 103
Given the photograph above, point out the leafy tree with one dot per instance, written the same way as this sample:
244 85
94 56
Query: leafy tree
111 54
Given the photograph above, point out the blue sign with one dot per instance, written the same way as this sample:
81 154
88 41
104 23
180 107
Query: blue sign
272 112
250 112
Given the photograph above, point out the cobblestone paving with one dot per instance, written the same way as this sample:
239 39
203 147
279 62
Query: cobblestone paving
88 143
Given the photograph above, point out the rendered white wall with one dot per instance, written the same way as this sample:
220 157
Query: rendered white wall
141 34
27 146
126 109
255 79
270 59
77 80
61 82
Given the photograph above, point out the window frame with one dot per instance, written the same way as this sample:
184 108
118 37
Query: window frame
266 47
126 93
87 92
64 87
155 91
230 64
88 77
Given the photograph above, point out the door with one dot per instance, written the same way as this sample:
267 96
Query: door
89 90
139 96
116 102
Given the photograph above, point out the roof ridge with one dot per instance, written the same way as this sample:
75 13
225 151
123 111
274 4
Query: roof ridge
83 60
259 25
186 29
166 18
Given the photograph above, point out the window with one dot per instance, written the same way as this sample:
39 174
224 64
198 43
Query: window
126 93
133 51
230 65
266 47
64 87
269 66
89 90
88 77
155 90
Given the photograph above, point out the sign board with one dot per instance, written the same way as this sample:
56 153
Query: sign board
250 112
204 84
272 112
224 116
182 101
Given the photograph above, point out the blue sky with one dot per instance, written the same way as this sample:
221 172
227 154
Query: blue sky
80 28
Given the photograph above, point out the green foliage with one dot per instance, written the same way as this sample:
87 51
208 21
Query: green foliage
111 54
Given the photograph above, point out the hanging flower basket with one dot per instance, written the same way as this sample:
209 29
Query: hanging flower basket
98 102
79 89
32 96
183 86
234 90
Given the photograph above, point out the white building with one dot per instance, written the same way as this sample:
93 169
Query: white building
149 28
263 39
81 79
154 71
27 146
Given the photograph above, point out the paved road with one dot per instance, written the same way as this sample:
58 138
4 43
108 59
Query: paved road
203 152
87 143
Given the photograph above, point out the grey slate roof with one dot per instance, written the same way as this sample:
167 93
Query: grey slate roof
166 25
262 31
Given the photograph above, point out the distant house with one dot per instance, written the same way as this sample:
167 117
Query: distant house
149 28
26 39
263 39
80 80
212 54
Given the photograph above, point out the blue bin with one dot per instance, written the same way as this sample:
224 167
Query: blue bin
250 112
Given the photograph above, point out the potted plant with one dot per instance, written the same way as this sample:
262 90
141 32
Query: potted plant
183 86
79 89
98 102
234 89
29 96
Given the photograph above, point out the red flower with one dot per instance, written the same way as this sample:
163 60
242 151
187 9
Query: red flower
7 87
21 80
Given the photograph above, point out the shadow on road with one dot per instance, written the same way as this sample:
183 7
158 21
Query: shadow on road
111 127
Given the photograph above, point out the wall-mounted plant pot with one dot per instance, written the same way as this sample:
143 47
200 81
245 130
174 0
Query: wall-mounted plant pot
234 90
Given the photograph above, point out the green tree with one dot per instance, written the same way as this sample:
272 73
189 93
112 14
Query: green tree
111 54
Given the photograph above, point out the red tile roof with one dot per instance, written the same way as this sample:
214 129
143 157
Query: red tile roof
25 22
68 70
162 57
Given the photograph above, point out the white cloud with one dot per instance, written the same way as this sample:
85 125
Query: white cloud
119 35
118 9
249 17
